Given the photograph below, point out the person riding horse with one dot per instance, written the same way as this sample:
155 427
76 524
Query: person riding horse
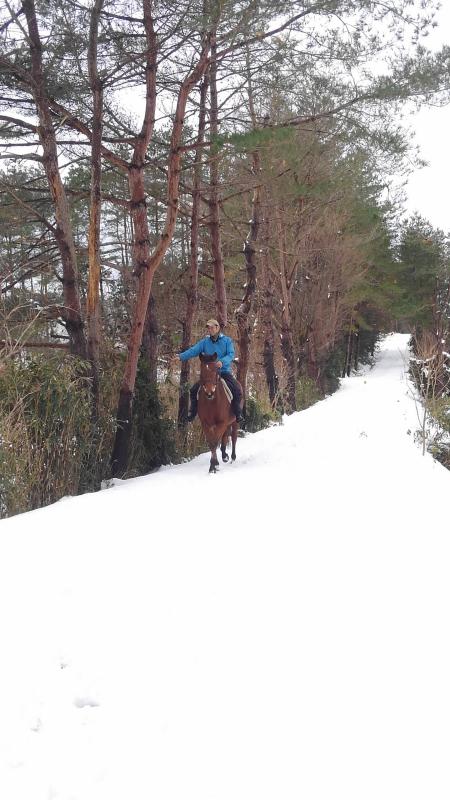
215 342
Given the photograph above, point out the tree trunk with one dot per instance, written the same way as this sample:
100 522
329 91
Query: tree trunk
267 312
244 310
93 294
150 341
288 352
356 347
71 312
214 211
348 351
192 294
140 249
313 369
146 269
287 339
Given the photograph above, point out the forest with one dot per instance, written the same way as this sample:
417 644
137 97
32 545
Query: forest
164 163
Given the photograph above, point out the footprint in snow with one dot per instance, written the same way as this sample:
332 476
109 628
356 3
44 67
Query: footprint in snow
85 702
37 725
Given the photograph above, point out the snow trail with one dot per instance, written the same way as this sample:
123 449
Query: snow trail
277 630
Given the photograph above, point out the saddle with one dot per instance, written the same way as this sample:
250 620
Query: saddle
227 390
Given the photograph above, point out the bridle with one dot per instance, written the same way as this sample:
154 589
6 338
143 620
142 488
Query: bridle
210 395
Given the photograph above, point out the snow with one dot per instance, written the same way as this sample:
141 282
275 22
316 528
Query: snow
276 631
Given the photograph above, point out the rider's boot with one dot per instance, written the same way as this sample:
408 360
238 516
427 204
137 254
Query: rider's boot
237 411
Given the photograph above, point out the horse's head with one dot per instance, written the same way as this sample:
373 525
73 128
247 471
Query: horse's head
209 374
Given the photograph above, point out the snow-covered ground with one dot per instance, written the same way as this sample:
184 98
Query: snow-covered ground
277 631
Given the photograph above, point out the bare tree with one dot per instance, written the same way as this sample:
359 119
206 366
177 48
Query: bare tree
63 233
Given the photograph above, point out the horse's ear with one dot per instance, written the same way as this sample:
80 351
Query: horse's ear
214 357
201 356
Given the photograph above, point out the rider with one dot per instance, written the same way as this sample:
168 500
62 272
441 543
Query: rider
223 346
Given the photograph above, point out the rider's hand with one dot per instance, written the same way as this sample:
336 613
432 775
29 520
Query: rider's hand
219 364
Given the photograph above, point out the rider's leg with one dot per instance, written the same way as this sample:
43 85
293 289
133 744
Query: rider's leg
236 390
193 393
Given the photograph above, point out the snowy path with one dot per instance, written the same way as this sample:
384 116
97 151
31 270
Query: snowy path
274 632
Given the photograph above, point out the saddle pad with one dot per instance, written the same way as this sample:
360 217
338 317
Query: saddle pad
227 390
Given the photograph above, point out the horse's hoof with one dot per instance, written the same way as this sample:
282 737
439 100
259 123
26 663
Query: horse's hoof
213 469
233 458
225 457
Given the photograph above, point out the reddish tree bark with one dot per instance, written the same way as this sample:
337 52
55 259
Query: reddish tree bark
214 210
192 293
146 269
286 273
93 292
138 202
267 314
150 340
244 309
63 232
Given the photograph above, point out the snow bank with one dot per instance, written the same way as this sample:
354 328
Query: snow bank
278 630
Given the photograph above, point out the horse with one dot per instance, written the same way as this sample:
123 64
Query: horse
214 411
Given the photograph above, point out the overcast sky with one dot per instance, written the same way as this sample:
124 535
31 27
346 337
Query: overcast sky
428 188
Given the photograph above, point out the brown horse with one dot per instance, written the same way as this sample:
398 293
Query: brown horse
214 411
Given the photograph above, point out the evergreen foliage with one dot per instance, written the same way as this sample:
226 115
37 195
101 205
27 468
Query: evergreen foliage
153 441
257 417
422 258
307 393
45 431
439 444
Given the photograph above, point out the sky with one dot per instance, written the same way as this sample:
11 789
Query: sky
428 188
276 631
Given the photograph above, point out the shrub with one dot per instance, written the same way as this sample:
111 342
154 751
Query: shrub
257 416
439 444
44 431
153 436
306 393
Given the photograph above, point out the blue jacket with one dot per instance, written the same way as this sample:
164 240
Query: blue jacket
223 347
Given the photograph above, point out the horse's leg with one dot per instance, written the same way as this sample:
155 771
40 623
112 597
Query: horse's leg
234 433
214 463
223 446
